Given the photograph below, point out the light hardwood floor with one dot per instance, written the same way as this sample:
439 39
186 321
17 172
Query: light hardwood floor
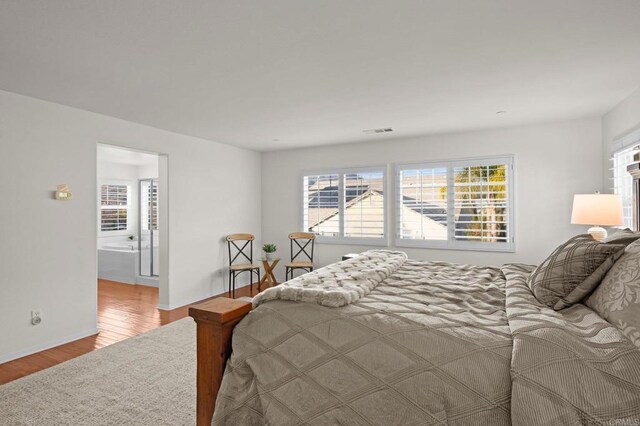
124 311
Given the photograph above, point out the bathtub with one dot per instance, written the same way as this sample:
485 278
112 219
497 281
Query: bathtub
133 246
128 246
120 261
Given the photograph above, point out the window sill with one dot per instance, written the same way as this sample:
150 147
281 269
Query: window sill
445 245
384 242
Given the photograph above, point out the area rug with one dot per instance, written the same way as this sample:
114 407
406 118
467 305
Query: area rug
145 380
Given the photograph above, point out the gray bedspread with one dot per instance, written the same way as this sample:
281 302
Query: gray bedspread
569 367
433 343
429 345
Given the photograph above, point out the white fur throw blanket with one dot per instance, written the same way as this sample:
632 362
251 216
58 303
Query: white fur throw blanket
340 283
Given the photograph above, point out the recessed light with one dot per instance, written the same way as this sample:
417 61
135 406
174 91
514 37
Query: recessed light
500 112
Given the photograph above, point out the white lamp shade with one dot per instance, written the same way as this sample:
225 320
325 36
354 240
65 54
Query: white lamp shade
597 209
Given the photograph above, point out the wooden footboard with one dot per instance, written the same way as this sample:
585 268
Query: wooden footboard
215 321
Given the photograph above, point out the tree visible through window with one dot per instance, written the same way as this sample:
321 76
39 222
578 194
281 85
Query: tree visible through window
481 203
461 204
114 203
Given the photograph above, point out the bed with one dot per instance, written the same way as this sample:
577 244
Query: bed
385 340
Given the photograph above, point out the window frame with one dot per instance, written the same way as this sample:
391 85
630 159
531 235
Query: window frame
627 203
623 143
341 239
451 243
130 195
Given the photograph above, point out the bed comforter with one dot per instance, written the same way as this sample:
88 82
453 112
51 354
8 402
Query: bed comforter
432 343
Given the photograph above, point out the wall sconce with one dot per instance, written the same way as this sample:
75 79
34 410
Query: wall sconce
62 193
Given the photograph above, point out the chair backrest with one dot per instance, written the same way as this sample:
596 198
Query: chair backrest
242 246
302 241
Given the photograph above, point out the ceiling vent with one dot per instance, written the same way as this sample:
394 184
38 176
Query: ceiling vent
380 130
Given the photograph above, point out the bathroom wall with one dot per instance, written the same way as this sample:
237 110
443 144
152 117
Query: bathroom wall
146 171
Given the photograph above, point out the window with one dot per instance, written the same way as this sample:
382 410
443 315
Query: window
345 206
149 205
114 207
457 204
423 207
623 182
321 205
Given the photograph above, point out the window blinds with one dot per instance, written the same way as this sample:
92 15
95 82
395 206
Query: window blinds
348 204
423 203
321 204
114 201
149 216
457 204
481 204
364 205
623 182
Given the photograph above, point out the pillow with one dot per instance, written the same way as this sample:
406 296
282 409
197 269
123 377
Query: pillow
624 236
617 299
572 271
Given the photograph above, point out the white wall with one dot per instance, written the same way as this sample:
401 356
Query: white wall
623 119
148 171
553 162
47 247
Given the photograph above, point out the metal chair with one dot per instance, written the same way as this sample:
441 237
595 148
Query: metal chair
235 269
302 241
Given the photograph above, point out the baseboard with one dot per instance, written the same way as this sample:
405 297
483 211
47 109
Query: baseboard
171 307
39 348
148 281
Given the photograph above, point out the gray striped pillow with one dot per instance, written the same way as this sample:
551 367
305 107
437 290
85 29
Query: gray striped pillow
573 271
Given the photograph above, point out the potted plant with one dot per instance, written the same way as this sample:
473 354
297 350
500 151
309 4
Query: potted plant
269 250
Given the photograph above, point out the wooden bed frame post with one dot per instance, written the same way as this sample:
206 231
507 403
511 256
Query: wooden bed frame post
215 321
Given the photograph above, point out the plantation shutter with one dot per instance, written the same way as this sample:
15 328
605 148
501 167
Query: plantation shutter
149 193
321 204
363 200
623 181
114 201
423 204
624 149
346 205
481 203
465 204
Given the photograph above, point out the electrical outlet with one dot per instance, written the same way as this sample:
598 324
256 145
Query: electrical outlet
36 317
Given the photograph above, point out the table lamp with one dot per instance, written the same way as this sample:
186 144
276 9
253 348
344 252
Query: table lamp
597 210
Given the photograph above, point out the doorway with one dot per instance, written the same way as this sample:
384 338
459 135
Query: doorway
131 203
